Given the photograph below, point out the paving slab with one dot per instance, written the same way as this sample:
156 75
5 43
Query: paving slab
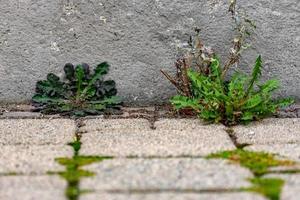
269 131
185 124
32 188
290 151
113 125
31 159
166 174
36 131
173 196
171 138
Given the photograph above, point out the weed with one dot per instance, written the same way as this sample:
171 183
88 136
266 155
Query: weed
203 85
81 92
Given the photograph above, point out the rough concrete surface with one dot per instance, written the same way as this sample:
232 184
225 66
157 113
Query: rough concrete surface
173 196
36 131
32 159
166 174
115 125
291 151
269 131
171 137
32 188
138 38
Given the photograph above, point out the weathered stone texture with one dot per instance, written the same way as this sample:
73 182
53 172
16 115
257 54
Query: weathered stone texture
137 38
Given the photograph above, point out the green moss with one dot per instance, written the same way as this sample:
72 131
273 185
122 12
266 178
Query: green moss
76 145
73 192
285 171
74 174
257 162
79 161
268 187
11 174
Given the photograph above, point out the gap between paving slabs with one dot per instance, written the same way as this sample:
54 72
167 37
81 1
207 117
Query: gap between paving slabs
269 187
74 173
73 167
259 163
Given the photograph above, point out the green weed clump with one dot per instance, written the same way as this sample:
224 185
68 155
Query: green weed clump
204 86
240 99
80 93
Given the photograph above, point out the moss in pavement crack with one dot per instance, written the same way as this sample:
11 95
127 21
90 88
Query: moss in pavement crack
268 187
74 172
259 163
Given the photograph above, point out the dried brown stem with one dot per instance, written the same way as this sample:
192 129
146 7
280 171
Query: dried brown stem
185 78
172 80
237 43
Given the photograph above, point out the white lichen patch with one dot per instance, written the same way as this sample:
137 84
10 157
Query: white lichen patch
103 19
54 46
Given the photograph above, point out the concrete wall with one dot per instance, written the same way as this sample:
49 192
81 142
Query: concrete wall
138 38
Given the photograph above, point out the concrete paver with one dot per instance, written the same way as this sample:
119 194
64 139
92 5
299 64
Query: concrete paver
29 147
269 131
170 138
173 196
36 131
165 174
290 151
113 125
32 159
32 188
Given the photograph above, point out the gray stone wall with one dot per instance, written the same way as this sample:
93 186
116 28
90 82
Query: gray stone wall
138 38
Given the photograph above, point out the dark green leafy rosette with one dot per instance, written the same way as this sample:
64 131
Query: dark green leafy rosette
80 93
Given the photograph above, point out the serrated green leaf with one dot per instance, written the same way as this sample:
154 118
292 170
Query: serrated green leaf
38 98
252 102
91 92
180 102
51 87
53 79
256 73
100 70
269 86
216 69
247 116
79 75
284 102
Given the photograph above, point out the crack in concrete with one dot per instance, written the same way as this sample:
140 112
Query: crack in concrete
234 139
181 191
